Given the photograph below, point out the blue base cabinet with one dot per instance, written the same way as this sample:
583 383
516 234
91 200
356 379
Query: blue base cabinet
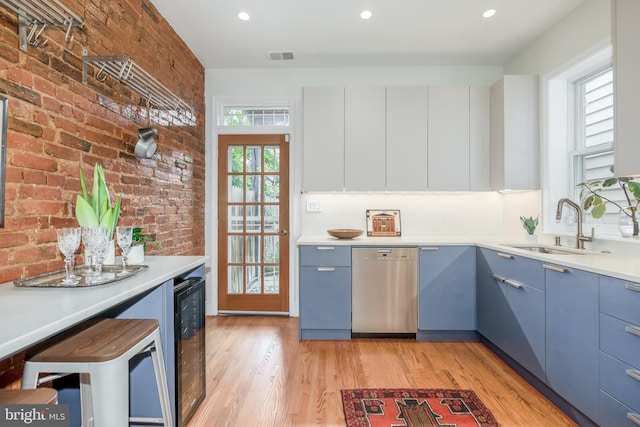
619 352
447 295
573 337
511 307
325 292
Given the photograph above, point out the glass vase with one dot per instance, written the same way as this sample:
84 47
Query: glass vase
625 224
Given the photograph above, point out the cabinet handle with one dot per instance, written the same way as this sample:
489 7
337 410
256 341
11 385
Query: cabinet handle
631 287
430 249
634 374
498 278
512 283
635 418
502 255
325 248
326 269
633 330
554 268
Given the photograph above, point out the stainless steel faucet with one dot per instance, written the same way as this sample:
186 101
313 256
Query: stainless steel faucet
580 239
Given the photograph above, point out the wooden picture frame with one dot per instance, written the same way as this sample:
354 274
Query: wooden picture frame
4 115
383 223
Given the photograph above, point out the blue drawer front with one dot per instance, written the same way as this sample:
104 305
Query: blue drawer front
618 342
514 267
325 298
615 414
620 298
325 255
615 380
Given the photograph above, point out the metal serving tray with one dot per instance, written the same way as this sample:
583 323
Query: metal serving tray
54 279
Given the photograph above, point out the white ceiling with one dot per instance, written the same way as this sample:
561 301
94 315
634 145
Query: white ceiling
330 32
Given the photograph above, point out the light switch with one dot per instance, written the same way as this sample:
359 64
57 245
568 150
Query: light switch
313 206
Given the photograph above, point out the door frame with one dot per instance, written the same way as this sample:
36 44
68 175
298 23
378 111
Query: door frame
211 209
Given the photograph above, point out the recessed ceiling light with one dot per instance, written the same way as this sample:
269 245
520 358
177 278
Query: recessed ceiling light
244 16
366 14
488 13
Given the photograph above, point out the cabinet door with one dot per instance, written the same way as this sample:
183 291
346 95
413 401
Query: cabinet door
479 139
626 68
365 143
491 300
447 291
514 133
448 138
323 139
325 298
525 327
407 138
573 337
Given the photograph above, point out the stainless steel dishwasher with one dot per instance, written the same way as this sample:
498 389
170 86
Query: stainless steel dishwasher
385 291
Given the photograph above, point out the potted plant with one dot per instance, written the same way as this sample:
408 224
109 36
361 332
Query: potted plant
95 208
530 225
138 248
592 199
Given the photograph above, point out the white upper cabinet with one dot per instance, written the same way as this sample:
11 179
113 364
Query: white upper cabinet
514 133
479 139
448 138
323 139
626 80
406 138
365 157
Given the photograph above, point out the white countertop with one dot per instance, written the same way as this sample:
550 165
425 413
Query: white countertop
622 266
30 315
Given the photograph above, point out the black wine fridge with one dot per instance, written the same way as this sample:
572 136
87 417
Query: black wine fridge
189 347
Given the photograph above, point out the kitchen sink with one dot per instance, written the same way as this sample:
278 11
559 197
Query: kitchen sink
554 250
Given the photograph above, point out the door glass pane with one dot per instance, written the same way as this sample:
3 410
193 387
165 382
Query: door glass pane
271 279
253 250
236 183
234 281
254 188
236 159
253 280
254 159
272 159
235 250
271 219
234 219
272 249
271 188
254 222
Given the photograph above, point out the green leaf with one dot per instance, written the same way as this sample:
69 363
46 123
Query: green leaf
634 187
83 184
588 202
609 182
84 213
598 211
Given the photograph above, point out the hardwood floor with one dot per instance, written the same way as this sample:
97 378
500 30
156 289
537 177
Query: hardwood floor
260 374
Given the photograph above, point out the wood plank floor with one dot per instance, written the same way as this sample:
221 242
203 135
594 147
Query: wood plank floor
259 374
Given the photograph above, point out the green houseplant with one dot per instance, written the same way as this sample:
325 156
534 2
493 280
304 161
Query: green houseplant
591 197
139 238
529 224
95 208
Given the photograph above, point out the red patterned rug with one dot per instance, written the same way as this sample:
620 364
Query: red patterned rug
387 407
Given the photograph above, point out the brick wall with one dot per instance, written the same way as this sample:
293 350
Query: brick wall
57 124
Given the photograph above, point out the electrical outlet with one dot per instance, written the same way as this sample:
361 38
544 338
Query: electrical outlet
313 206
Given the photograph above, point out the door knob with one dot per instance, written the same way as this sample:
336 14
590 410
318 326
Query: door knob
284 232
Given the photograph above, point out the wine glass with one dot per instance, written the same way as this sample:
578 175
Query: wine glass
124 235
101 235
68 243
89 242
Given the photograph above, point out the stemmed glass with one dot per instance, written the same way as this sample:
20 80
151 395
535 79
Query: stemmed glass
101 244
68 243
124 235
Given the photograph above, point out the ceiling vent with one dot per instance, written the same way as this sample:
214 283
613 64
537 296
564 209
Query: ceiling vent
280 56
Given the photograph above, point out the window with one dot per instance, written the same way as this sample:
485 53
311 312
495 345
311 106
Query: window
592 154
256 116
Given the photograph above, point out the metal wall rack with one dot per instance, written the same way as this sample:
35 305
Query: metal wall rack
35 15
125 70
